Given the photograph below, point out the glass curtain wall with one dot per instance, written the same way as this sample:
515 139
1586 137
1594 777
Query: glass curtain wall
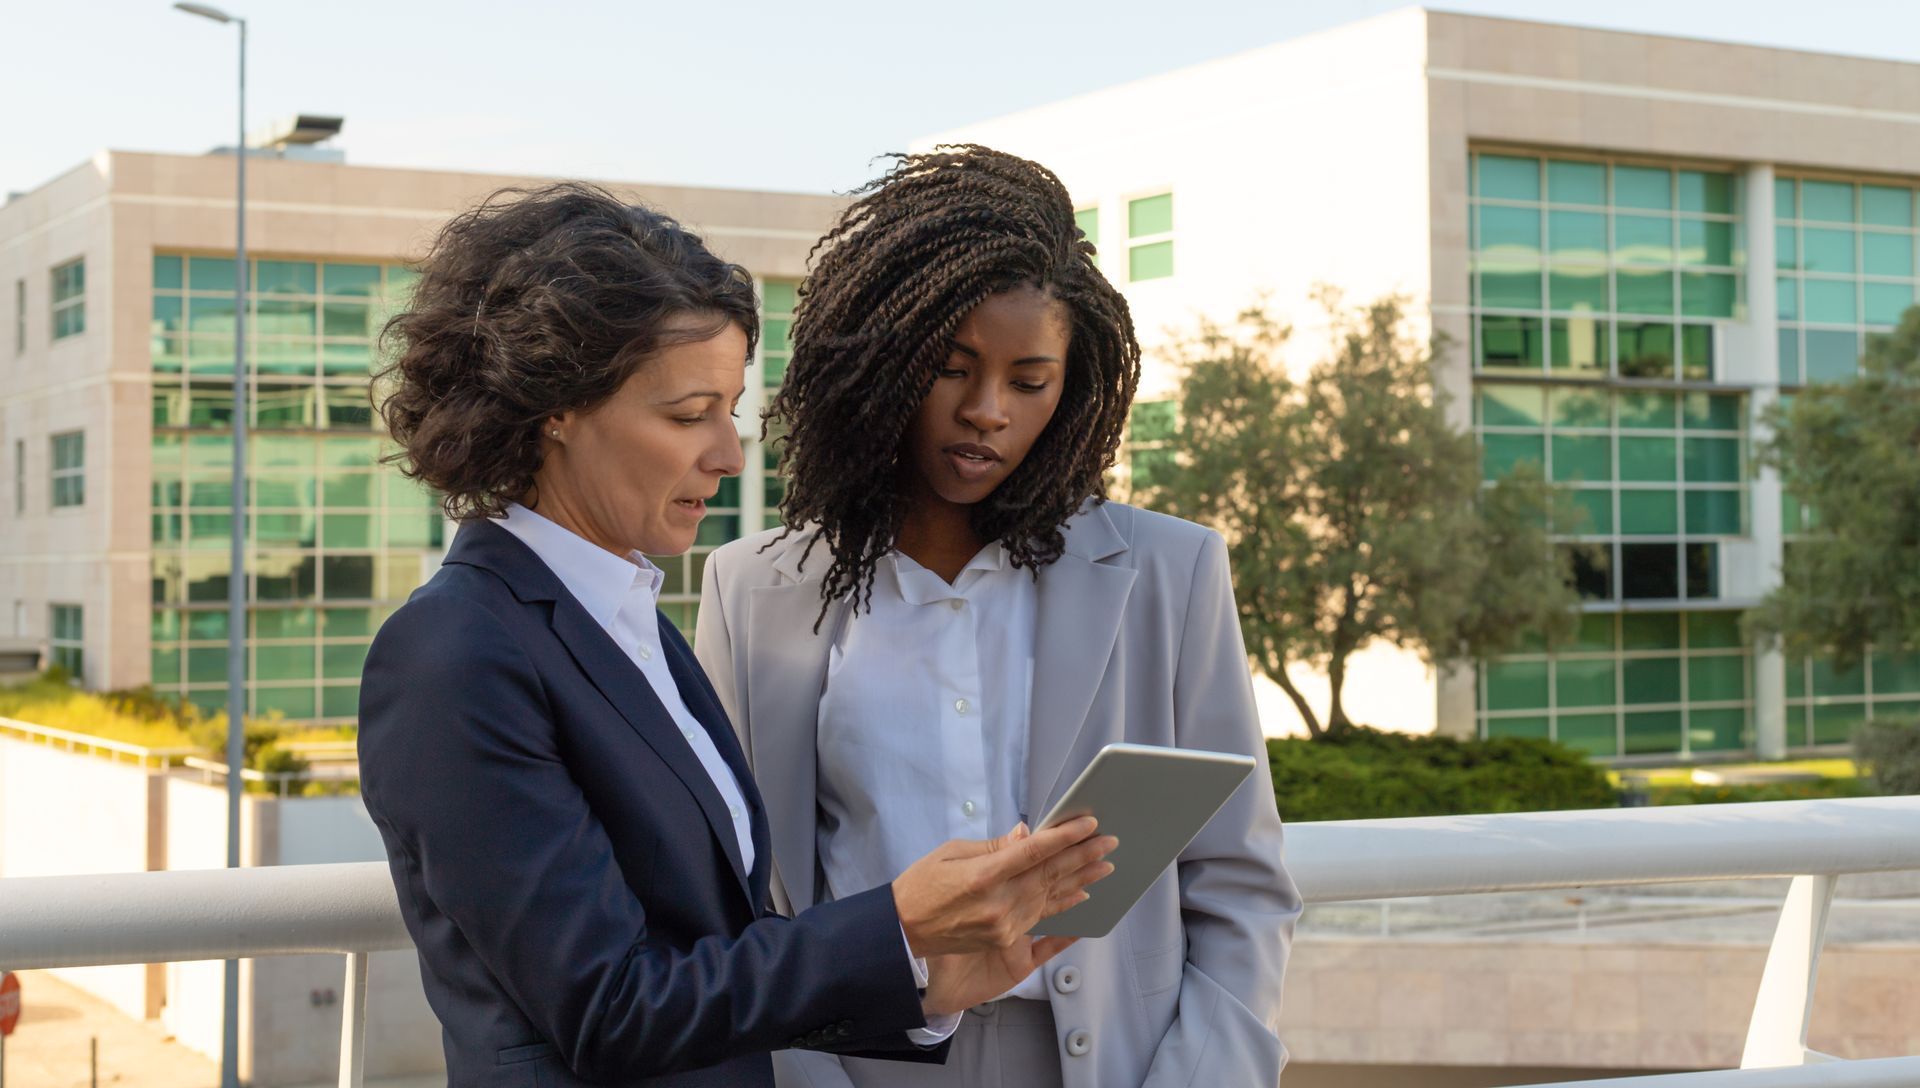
1598 291
337 539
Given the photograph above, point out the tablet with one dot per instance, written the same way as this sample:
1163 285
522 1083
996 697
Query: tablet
1155 800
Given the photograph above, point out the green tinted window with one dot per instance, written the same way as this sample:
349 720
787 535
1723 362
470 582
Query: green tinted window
1509 234
1594 734
1884 206
1501 453
1706 241
1652 731
1651 680
1088 220
1884 303
1643 239
1831 302
1577 236
1886 254
1642 187
1827 201
353 280
1707 294
1713 630
1150 262
1646 458
1577 289
1584 682
1713 513
1644 291
285 277
1582 457
1706 192
1576 182
1827 250
1579 344
1516 685
1649 513
1150 215
1505 177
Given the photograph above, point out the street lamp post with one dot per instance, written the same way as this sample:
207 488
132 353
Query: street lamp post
237 573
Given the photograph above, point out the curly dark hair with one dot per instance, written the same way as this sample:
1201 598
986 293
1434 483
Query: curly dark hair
534 303
924 244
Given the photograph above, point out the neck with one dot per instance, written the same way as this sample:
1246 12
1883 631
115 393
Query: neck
566 511
939 535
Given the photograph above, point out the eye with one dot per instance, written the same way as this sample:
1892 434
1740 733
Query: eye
951 372
1030 387
690 421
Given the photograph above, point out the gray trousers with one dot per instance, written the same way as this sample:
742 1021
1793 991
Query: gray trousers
1005 1044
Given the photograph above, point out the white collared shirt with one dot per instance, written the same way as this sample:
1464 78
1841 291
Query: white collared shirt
923 722
622 596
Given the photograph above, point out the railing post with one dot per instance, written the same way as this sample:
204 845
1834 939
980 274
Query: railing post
1777 1034
353 1023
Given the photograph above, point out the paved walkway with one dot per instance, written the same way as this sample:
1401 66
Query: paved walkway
49 1048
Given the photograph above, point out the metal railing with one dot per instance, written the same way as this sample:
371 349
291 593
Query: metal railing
68 741
352 910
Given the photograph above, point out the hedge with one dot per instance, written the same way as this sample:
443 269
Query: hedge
1370 774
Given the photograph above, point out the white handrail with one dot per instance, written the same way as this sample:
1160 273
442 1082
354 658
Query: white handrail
1347 860
352 909
70 740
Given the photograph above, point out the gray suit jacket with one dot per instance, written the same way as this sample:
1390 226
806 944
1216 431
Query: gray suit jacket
1136 640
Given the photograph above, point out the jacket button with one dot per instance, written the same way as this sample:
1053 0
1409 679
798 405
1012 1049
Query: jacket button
1079 1042
1066 979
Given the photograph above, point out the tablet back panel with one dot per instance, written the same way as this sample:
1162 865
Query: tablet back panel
1155 800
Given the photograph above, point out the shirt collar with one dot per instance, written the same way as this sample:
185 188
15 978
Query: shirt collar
597 578
918 585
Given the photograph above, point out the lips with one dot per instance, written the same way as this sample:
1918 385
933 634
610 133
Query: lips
972 461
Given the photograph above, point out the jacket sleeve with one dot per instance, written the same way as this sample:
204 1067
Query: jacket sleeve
1237 901
500 859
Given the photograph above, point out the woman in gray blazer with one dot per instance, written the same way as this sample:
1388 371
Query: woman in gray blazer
953 621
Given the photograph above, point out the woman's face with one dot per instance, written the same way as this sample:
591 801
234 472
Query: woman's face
635 472
994 395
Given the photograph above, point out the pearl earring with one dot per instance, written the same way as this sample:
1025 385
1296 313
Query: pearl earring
555 434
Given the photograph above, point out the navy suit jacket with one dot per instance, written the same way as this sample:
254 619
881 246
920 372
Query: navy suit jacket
568 871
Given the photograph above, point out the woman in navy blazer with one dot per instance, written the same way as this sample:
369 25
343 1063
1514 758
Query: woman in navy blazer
580 852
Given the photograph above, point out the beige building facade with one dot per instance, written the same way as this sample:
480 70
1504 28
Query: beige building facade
116 406
1633 245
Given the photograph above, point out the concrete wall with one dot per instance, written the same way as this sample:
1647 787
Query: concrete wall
63 814
1603 1006
291 1005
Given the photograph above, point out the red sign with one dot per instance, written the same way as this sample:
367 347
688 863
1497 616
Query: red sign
9 1002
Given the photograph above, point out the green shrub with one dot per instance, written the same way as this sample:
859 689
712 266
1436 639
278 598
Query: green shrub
1370 774
1758 791
1889 751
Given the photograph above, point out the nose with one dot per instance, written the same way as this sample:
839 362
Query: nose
724 456
983 409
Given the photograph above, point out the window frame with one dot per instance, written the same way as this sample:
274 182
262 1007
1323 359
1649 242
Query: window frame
73 302
1140 241
67 652
75 496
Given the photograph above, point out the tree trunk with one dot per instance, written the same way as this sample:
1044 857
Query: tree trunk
1312 720
1337 721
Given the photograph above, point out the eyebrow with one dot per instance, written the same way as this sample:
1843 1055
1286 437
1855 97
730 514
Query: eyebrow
693 396
1030 360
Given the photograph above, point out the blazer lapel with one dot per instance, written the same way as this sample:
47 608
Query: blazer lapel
627 689
1077 612
705 705
788 663
488 546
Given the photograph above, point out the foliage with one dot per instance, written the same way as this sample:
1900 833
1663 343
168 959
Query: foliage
138 716
1889 752
1759 791
1353 508
1848 450
1364 773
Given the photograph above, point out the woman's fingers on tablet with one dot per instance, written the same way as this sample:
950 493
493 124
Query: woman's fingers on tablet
1018 852
1045 948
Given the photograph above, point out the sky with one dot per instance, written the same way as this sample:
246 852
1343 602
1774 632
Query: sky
800 95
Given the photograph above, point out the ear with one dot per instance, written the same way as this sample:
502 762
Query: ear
555 427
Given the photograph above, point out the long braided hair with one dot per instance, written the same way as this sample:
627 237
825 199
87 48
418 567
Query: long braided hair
921 246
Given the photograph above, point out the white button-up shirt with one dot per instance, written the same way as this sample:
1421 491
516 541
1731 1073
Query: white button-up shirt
622 596
923 723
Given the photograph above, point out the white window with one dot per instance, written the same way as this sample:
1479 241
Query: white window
70 299
69 469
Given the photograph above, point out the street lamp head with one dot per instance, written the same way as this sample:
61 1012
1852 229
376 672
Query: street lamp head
205 12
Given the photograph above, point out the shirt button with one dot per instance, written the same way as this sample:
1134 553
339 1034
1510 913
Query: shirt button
961 705
646 654
966 808
956 604
733 811
687 733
